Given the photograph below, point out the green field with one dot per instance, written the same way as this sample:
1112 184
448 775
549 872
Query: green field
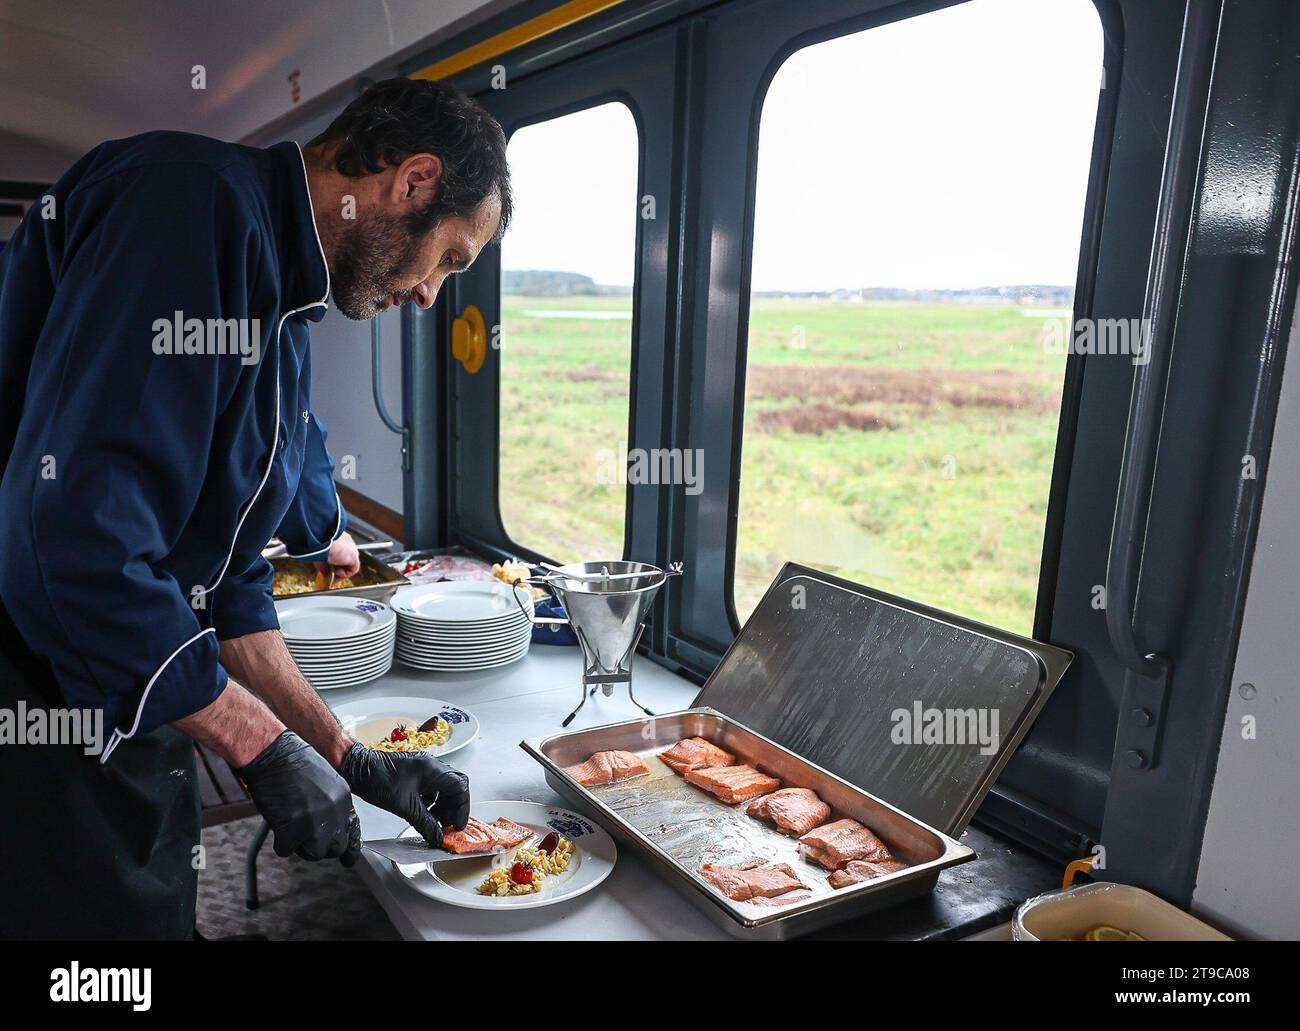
904 445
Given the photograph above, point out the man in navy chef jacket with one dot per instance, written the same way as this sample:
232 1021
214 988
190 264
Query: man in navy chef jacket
155 431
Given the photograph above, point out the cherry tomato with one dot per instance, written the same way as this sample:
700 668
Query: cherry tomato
521 873
549 843
398 734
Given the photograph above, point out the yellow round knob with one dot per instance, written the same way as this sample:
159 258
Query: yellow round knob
469 339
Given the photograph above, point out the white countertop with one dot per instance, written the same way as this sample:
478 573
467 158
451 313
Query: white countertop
528 698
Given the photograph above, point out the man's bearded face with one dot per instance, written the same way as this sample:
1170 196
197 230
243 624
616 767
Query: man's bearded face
374 255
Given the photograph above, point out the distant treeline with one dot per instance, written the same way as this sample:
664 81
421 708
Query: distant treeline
550 283
1024 293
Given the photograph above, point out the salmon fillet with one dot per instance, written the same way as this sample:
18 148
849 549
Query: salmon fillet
733 784
838 843
607 767
508 833
795 811
861 870
478 836
692 753
743 885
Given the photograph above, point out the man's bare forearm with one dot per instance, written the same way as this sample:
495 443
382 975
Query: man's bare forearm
236 726
262 663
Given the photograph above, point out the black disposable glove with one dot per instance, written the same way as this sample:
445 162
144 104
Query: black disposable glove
306 803
406 783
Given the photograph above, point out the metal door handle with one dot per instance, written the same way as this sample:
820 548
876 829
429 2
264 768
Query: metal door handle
376 385
1149 674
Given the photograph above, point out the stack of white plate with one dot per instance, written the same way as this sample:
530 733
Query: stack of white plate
338 641
462 625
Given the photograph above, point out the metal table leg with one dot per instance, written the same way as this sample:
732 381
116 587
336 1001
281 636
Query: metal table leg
250 865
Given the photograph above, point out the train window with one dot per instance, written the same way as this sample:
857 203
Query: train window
566 350
919 207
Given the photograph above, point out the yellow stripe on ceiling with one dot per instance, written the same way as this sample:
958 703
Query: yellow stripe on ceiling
561 17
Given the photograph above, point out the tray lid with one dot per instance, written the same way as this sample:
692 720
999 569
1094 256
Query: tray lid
917 706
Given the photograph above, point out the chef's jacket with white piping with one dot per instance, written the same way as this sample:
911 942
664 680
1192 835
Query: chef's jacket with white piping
140 486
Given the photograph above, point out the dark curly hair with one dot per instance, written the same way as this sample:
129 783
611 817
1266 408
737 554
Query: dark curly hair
396 118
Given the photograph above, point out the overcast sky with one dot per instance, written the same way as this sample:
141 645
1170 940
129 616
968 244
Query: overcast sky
946 150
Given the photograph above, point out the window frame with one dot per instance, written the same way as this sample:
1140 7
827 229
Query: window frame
1085 282
640 73
618 96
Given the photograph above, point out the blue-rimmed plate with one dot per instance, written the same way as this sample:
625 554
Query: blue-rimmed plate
456 882
330 620
371 719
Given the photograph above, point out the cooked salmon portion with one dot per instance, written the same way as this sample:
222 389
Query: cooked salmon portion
508 833
862 870
733 784
741 885
836 844
607 767
693 753
795 811
478 836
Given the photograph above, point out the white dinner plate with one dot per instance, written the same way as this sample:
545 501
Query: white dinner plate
468 644
456 632
333 645
371 719
473 654
340 669
454 882
461 601
442 666
328 618
341 656
476 654
467 652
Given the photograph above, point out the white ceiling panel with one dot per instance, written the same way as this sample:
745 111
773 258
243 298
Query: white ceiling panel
74 74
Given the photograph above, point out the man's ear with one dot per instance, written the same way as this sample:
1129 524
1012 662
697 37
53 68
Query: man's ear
416 180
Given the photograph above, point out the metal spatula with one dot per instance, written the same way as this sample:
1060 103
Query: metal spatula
417 850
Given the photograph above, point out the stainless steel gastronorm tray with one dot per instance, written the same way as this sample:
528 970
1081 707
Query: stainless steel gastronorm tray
382 582
677 827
